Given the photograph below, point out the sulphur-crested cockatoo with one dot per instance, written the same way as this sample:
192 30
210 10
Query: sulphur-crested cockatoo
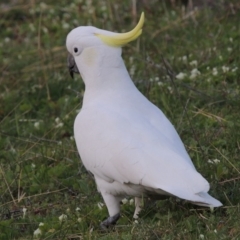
123 139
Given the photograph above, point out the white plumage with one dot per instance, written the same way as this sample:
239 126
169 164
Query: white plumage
124 140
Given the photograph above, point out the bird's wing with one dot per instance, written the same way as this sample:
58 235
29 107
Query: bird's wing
127 148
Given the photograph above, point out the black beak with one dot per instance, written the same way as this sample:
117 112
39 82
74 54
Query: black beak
72 67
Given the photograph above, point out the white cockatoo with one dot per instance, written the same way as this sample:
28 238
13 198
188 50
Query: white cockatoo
123 139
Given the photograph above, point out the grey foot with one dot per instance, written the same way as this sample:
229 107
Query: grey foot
110 221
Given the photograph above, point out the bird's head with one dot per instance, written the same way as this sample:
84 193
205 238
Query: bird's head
82 38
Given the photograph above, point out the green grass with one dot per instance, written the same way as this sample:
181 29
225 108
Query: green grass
40 169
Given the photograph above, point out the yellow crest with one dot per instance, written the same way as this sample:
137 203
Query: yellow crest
121 39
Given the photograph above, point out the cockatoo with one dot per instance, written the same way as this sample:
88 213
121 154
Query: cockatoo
123 139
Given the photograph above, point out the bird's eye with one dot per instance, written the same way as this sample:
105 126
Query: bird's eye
76 50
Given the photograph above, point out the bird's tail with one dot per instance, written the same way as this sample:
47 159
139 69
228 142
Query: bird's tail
204 199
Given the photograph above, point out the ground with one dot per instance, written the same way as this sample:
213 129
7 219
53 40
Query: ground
187 62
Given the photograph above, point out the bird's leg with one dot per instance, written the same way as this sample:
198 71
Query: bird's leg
138 205
113 206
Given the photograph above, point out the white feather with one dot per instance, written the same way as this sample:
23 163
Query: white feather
123 139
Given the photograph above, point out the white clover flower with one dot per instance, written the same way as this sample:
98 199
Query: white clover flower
132 70
24 212
32 11
57 120
76 22
37 232
136 221
170 89
59 125
124 201
181 76
235 69
78 209
36 125
159 83
230 39
215 72
65 25
7 40
45 30
41 224
229 49
90 10
225 69
73 5
12 150
79 220
215 230
131 59
156 79
184 58
63 217
201 236
103 8
100 205
131 202
72 138
34 87
193 63
194 73
216 161
43 5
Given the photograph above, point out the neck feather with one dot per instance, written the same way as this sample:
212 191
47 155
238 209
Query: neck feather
102 68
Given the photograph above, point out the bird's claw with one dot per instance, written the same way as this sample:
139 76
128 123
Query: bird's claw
110 221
